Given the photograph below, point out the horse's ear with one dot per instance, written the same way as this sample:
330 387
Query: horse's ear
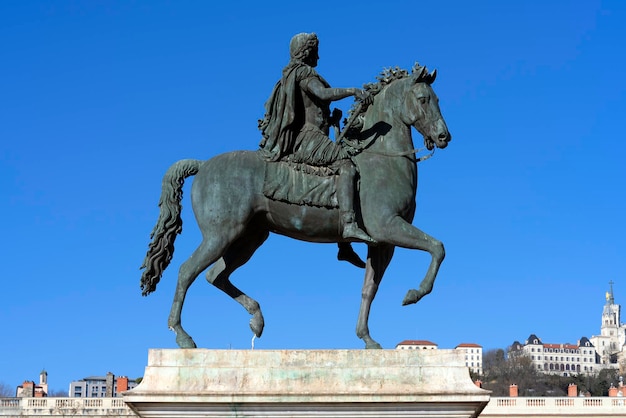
419 72
432 76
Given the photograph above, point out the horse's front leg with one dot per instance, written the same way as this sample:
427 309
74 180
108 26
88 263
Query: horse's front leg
403 234
378 259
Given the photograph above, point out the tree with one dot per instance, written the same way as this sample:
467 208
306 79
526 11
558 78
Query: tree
57 393
500 373
6 391
601 384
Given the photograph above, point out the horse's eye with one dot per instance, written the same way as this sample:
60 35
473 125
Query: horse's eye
423 99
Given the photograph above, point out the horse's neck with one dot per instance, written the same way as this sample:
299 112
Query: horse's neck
389 135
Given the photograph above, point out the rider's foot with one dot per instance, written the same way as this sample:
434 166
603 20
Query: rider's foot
352 230
346 253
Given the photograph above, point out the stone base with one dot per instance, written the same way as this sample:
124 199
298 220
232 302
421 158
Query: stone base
306 383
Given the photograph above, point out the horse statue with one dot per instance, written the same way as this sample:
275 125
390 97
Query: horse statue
235 216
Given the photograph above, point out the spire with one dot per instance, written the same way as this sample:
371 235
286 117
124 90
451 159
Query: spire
609 297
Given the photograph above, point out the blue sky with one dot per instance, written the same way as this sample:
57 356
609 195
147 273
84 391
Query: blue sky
99 98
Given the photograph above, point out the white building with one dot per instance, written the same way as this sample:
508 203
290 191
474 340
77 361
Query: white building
416 345
564 359
473 356
473 352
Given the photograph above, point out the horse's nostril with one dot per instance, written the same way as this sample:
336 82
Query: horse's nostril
445 136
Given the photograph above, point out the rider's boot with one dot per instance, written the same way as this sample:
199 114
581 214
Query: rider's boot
346 185
346 253
352 230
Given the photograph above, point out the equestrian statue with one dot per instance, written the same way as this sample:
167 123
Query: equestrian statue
361 187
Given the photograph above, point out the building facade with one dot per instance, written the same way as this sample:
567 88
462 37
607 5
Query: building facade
416 345
473 352
473 356
107 386
564 359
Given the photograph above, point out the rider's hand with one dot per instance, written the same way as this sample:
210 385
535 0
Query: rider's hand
364 97
335 117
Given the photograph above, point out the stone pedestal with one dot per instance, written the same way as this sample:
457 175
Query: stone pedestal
306 383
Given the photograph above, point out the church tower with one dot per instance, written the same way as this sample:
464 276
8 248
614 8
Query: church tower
610 343
610 314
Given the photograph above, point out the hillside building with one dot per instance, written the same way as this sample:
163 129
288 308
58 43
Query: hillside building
588 355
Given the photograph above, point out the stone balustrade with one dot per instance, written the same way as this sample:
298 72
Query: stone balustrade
497 407
46 407
555 407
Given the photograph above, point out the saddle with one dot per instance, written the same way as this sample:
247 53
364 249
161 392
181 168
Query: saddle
301 184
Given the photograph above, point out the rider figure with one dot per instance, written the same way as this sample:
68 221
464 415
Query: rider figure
297 122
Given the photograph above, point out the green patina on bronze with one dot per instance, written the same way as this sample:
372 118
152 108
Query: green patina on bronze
237 207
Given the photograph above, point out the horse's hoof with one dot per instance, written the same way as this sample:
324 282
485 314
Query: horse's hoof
257 323
373 345
185 341
412 296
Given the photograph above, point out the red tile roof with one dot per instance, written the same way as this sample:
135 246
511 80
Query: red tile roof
416 342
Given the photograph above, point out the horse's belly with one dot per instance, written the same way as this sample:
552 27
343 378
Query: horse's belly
306 223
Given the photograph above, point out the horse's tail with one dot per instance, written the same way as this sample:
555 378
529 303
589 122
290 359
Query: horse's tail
161 249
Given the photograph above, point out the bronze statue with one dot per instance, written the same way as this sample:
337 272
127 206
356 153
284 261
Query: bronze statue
299 182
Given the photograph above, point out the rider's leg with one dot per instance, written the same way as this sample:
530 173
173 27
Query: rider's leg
345 197
346 253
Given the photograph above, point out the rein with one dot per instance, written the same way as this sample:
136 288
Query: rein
411 152
365 149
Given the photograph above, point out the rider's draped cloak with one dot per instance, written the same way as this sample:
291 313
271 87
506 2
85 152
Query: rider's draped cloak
283 118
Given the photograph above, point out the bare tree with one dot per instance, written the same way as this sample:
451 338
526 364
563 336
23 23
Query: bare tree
57 393
6 391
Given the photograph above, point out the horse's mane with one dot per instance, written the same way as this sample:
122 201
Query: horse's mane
389 75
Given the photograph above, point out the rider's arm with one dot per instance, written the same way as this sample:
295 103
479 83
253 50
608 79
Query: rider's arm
316 88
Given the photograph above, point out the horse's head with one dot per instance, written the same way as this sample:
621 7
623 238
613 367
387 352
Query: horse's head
421 108
411 98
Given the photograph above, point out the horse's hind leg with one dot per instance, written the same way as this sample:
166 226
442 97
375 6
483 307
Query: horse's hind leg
378 258
202 257
237 255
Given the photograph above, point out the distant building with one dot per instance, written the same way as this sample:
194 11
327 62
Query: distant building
29 389
473 356
100 386
416 345
588 355
473 352
565 359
